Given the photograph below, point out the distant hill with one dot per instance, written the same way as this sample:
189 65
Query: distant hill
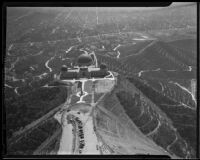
161 55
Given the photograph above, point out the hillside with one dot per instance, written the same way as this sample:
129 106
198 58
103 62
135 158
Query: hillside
171 58
151 52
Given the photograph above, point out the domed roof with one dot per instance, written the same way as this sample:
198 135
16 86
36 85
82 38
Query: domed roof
64 68
84 60
103 66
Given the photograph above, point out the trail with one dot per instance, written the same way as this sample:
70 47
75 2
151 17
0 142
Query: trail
155 129
42 75
189 68
140 73
6 85
25 15
54 30
70 48
185 89
17 91
47 64
9 49
117 47
161 86
97 17
68 15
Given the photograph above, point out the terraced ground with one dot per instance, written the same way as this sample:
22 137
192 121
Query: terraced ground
115 65
175 92
35 139
31 107
150 58
131 49
127 102
185 45
183 117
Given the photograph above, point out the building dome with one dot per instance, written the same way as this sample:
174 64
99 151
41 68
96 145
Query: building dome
84 60
64 68
103 66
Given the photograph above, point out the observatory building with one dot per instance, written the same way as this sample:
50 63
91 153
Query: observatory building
84 69
84 60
